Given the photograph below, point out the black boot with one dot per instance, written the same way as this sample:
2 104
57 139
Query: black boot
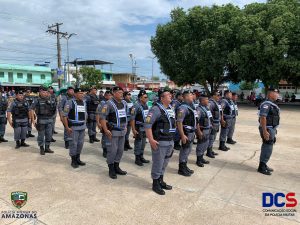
163 184
112 173
23 144
263 169
214 152
91 139
54 132
188 169
66 144
2 139
183 170
138 160
209 153
53 140
47 149
269 168
30 134
74 163
199 162
18 145
104 152
118 169
42 150
143 159
156 187
230 141
79 162
127 145
95 138
222 146
177 145
203 160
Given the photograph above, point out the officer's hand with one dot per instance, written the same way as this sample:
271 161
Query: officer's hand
184 139
10 123
108 134
153 144
69 130
223 123
200 135
135 133
266 135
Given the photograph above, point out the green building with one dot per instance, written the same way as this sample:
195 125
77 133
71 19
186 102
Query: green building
12 76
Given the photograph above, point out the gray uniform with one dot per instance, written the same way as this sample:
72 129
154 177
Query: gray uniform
187 115
60 107
158 118
76 113
53 96
115 113
19 111
216 110
98 112
45 109
139 113
29 99
204 120
129 106
92 103
234 115
228 108
3 119
271 111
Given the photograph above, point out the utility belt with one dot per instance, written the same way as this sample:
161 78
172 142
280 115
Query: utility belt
75 123
111 126
204 128
189 129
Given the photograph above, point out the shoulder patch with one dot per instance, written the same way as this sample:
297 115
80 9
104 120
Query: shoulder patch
265 106
148 119
132 110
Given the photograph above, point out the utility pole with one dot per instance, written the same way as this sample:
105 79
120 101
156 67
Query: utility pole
67 37
54 29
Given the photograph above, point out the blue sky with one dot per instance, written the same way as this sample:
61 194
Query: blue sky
107 30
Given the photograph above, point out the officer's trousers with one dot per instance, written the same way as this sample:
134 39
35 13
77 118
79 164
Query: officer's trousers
29 126
115 148
20 130
202 144
231 128
186 148
225 130
103 141
3 122
128 132
45 132
76 144
213 134
140 143
267 146
91 124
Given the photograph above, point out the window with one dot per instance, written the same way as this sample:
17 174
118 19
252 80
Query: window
43 77
2 74
29 77
10 77
19 75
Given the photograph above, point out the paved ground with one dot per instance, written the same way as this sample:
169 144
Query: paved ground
227 191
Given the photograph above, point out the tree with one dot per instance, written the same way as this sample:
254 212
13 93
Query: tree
90 77
155 78
248 85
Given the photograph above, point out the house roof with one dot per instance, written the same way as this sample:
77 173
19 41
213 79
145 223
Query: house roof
25 68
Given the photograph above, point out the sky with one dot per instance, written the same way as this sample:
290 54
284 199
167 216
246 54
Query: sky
106 30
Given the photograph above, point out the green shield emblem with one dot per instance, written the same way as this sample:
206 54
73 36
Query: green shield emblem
19 198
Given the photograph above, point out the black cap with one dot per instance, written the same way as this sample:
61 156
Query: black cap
226 92
141 93
187 92
234 94
160 92
107 92
126 93
70 87
216 93
117 88
28 89
19 92
50 87
274 90
178 94
203 96
43 88
76 90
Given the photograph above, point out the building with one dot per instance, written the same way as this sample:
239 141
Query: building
12 76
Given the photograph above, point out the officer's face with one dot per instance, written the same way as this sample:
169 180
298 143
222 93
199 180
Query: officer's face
128 97
229 95
188 98
79 95
93 91
44 94
118 95
274 95
166 97
20 97
71 92
217 97
234 97
108 96
50 91
204 101
144 99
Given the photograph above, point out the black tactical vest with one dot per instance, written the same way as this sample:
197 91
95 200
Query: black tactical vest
112 114
215 110
139 117
45 108
20 111
227 110
3 105
75 117
273 116
92 104
203 120
189 119
29 99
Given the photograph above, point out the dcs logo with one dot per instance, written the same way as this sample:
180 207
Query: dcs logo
279 199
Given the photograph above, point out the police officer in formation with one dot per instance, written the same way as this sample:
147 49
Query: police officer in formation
107 97
217 118
175 104
92 102
3 119
160 130
139 112
64 99
53 96
44 108
228 112
269 117
127 98
113 118
205 125
29 99
74 120
18 116
187 117
234 115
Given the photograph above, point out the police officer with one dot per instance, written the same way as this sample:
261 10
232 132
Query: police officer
205 125
227 110
29 99
127 98
74 120
113 120
44 107
139 112
92 102
217 118
234 115
53 96
3 119
269 116
64 99
186 116
107 97
18 116
175 104
160 129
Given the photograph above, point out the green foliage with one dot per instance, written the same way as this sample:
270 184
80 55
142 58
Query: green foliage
91 77
244 85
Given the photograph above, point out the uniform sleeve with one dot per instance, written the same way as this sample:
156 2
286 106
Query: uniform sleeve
180 114
133 111
10 107
153 115
61 104
264 109
223 104
98 110
104 111
67 108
